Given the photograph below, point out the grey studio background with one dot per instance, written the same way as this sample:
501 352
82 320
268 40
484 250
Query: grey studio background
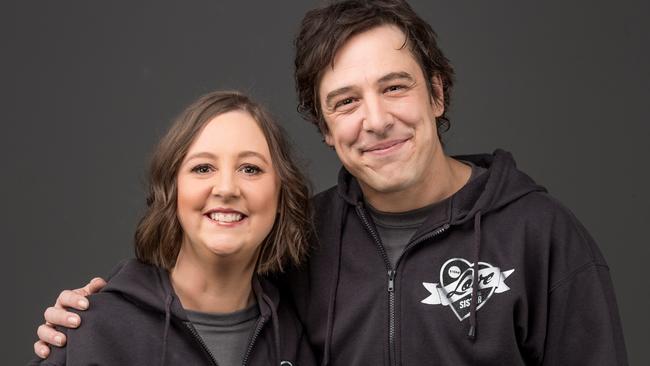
89 86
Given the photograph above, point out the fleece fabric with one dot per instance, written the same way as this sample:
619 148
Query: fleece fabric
137 319
505 275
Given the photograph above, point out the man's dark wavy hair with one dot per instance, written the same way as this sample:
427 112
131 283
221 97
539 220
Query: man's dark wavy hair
325 30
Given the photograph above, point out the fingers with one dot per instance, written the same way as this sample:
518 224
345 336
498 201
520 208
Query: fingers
76 299
94 286
48 335
72 299
41 349
59 316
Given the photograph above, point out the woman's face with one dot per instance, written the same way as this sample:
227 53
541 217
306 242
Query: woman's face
227 188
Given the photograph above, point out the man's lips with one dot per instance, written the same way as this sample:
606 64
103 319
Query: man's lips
384 146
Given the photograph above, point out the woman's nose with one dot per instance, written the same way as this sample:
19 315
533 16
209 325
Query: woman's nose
225 186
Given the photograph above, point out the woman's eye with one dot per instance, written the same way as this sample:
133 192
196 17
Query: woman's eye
251 169
202 169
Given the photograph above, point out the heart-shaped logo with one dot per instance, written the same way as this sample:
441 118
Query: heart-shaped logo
455 287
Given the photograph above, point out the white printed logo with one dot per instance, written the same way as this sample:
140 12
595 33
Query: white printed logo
455 287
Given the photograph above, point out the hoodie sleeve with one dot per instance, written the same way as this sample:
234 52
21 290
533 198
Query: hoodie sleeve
582 326
40 362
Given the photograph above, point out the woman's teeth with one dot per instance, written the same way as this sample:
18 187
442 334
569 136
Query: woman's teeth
226 217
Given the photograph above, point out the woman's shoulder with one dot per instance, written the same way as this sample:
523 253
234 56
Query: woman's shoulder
135 292
105 310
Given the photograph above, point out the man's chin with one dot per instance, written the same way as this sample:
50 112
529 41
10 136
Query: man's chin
384 183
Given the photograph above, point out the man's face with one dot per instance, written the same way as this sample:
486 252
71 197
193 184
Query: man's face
379 113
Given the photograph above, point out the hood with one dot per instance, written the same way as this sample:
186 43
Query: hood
501 184
150 287
146 285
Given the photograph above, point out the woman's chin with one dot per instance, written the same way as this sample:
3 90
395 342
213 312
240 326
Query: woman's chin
229 251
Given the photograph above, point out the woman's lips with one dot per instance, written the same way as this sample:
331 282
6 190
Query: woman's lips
226 223
225 217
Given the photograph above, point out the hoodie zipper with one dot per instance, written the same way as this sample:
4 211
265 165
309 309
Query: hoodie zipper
430 235
251 343
391 285
201 342
249 349
391 275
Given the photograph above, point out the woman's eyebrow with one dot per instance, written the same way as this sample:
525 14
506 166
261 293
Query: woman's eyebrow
243 154
247 153
201 154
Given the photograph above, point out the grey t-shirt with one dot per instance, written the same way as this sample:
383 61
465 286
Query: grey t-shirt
226 335
396 229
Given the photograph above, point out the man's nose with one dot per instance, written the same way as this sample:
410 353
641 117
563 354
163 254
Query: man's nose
377 119
225 185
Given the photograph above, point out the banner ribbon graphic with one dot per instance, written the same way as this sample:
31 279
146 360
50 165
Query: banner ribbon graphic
488 278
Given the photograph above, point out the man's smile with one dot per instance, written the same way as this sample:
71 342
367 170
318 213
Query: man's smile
385 147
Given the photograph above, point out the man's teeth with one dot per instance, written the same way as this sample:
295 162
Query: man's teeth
226 217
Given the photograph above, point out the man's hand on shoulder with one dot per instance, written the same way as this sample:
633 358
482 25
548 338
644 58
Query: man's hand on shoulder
58 315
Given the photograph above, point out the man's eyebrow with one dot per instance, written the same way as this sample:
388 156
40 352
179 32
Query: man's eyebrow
396 75
335 93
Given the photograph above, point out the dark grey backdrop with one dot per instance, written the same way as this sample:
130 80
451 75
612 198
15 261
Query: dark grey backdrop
89 86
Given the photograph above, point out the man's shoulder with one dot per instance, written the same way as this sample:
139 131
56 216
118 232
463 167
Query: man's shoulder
327 204
541 211
569 240
540 205
325 198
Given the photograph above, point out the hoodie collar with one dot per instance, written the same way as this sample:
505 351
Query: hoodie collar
150 286
500 185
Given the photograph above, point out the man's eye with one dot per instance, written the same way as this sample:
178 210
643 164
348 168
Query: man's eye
202 169
250 170
394 88
344 102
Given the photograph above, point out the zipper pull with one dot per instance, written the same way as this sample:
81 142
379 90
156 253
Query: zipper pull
391 281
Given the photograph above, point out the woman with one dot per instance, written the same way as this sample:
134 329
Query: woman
225 204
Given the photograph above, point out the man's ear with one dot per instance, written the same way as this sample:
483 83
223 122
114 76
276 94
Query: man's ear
438 97
328 138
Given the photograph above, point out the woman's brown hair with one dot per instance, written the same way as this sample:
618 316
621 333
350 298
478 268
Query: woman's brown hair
159 234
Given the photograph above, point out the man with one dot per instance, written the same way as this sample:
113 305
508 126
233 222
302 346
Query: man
422 258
